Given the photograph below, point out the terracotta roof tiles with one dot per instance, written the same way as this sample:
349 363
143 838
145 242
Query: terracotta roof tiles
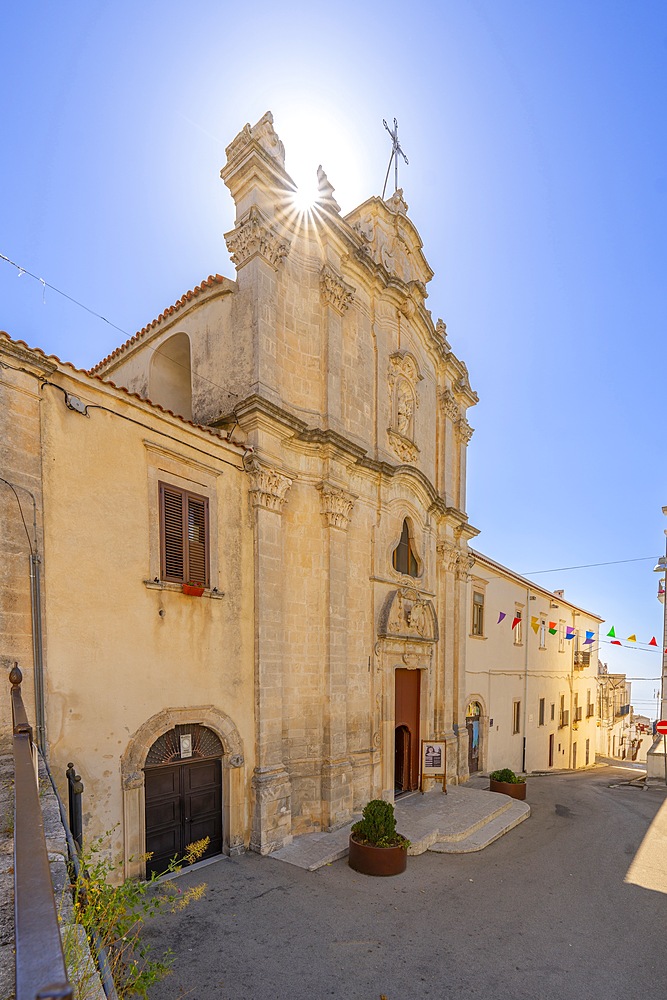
210 282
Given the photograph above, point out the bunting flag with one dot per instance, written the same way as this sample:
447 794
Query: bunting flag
589 638
516 621
552 628
534 624
615 642
611 632
632 638
500 617
653 642
569 632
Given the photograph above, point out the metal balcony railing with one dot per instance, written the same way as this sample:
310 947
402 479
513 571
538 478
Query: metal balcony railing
40 964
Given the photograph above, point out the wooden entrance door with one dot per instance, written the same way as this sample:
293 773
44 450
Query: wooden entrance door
551 750
407 733
183 804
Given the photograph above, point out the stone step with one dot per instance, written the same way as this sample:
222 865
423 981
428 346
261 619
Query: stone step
485 833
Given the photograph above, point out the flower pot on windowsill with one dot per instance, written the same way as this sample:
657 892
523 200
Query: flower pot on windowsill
193 589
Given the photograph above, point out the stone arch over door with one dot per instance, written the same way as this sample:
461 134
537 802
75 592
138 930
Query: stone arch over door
477 724
132 776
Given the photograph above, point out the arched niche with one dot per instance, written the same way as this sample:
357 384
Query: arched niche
170 378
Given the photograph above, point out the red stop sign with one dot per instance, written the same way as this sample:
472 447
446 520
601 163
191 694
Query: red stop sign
661 727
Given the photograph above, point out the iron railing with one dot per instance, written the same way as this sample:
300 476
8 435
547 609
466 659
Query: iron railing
40 963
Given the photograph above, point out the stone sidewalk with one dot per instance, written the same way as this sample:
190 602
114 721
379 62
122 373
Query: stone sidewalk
468 818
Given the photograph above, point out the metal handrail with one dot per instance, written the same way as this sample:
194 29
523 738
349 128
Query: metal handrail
40 963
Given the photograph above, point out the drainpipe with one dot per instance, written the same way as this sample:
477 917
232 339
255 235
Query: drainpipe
35 616
525 680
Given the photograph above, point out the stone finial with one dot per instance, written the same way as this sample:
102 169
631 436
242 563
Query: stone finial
264 134
15 676
325 191
441 330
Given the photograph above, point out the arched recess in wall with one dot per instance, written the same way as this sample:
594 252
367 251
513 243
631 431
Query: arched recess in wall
170 378
405 555
477 725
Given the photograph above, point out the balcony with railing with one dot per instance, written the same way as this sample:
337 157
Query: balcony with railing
564 719
582 659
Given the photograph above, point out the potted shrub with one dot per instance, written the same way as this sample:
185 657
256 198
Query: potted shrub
507 782
375 846
193 589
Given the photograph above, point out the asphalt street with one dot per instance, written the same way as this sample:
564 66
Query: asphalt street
570 904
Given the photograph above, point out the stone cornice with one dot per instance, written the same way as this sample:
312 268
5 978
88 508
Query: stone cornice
20 352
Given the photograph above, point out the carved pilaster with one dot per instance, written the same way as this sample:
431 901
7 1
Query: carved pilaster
268 487
254 237
459 561
449 554
336 505
334 291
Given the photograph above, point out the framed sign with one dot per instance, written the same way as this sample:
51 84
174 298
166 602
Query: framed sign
434 760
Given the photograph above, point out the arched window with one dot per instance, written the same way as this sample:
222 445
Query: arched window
403 559
170 382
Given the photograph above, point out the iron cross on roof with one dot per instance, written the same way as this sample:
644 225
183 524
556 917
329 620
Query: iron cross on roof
395 150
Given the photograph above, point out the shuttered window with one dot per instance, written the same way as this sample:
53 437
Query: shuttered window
184 548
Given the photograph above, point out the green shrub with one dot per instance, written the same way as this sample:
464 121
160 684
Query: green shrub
506 774
377 826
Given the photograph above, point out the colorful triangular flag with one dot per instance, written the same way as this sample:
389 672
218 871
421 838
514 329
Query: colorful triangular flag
589 638
615 642
632 638
516 621
552 628
534 624
611 632
500 617
569 632
653 642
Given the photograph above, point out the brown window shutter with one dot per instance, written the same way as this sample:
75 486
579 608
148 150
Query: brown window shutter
197 539
171 531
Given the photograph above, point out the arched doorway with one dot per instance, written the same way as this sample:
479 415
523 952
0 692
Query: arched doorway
183 773
473 714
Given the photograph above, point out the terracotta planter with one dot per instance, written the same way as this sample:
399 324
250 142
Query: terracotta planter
192 589
377 860
516 791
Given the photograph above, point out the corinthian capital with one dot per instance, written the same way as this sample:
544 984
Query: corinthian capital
253 237
465 430
336 505
334 290
268 487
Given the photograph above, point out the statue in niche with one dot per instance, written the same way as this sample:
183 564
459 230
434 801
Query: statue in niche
404 409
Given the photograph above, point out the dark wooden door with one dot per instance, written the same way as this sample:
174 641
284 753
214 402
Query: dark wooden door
407 743
183 804
551 750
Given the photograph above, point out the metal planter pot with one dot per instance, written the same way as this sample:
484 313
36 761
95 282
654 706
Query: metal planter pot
377 860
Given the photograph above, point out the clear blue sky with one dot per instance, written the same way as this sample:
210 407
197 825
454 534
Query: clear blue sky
535 131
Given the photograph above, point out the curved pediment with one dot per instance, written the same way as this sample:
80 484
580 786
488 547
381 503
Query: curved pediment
407 615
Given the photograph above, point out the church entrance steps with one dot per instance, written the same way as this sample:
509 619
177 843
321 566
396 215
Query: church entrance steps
464 820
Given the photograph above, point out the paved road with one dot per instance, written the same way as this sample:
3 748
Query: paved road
545 913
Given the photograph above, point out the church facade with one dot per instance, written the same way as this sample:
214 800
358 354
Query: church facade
323 360
292 445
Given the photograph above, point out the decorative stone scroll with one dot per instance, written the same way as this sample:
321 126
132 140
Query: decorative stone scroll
264 134
335 292
254 237
336 505
406 449
441 330
405 614
268 487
